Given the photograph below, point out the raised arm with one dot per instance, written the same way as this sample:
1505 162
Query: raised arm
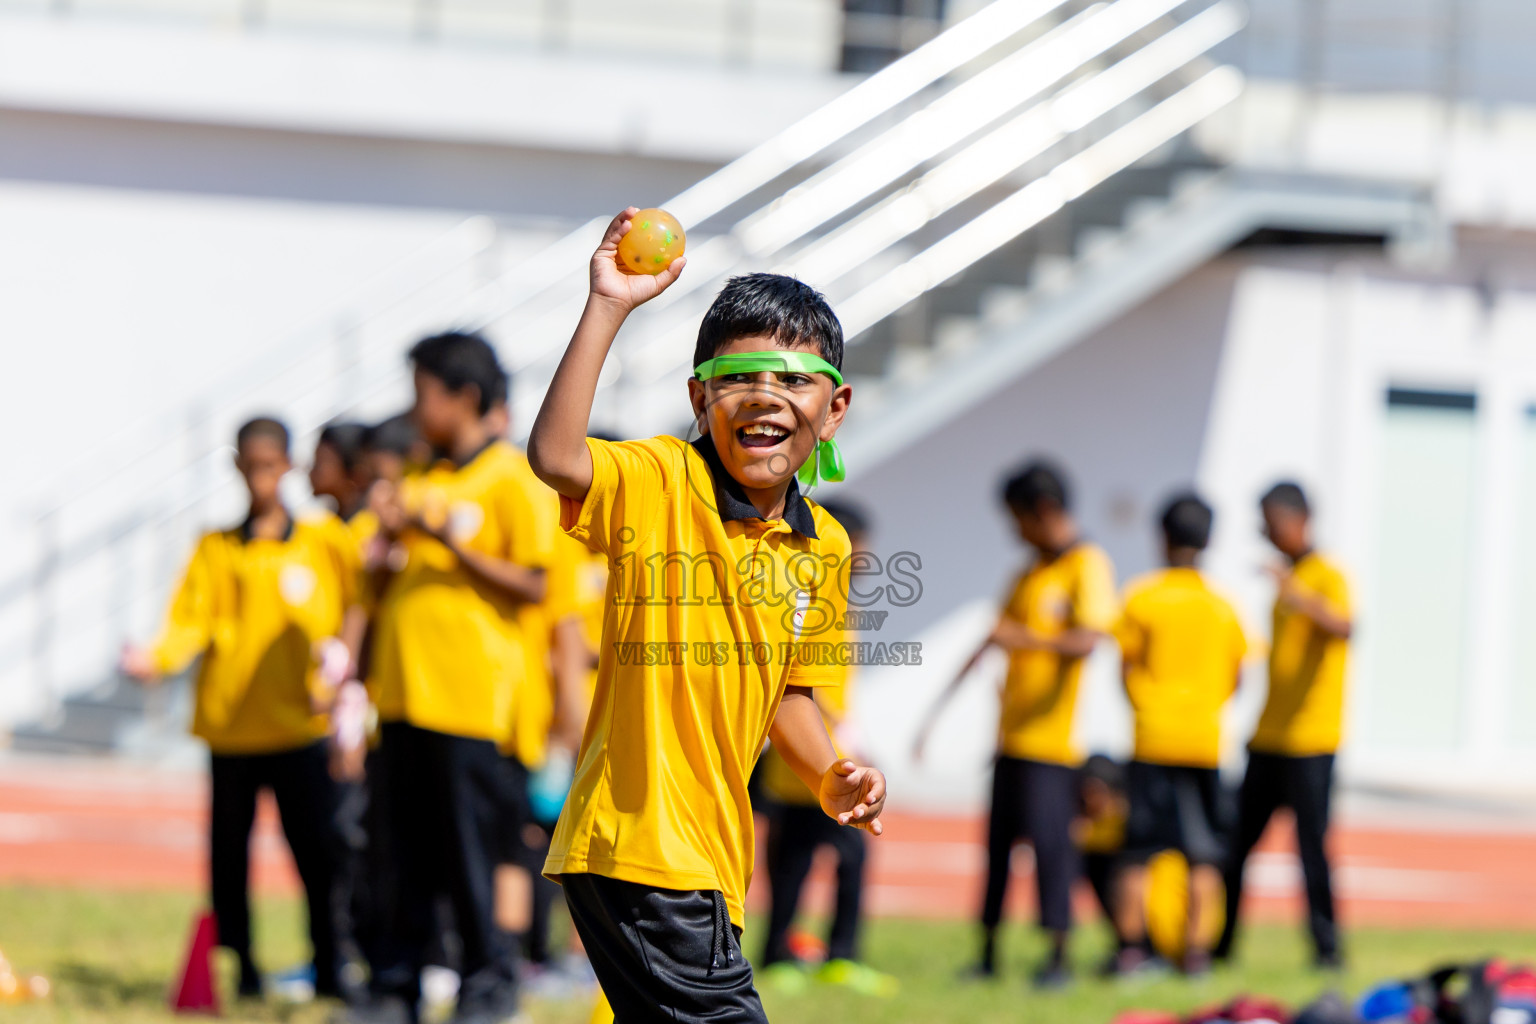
188 628
557 447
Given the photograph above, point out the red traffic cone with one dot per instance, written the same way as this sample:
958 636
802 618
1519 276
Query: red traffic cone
196 992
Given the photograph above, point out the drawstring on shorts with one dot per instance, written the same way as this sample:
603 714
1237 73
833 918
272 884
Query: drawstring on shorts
721 939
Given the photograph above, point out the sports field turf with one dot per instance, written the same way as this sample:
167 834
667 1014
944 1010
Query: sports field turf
110 956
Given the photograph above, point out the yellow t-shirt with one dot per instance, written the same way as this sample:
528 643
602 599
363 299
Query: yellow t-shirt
1305 710
448 650
1075 590
533 712
254 609
1182 645
363 526
704 605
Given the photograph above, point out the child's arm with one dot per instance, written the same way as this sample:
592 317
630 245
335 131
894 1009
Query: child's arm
519 582
1076 642
1313 606
557 447
571 661
851 794
1093 614
188 628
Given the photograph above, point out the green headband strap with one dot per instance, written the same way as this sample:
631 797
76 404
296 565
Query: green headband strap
826 461
773 362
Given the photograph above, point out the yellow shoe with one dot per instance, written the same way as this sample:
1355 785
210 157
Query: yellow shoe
866 981
783 978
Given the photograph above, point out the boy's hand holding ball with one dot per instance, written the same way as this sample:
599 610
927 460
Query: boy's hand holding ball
615 279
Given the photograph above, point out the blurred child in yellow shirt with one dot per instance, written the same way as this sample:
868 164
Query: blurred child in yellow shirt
256 603
1060 606
467 556
1181 646
1290 758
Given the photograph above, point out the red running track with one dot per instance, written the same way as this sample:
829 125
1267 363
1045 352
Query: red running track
106 824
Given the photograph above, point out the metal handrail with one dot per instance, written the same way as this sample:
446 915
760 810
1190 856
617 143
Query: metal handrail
980 163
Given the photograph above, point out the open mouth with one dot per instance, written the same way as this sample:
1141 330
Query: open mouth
759 436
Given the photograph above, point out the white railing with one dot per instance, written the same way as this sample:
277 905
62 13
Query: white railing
857 198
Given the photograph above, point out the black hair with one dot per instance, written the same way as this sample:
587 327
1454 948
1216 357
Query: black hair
789 311
462 360
347 438
849 516
262 426
603 435
1035 482
1105 769
1286 494
396 435
1187 522
501 391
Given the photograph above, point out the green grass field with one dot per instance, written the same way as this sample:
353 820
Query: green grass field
110 957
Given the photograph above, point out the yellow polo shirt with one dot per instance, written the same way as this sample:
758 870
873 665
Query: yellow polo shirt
1075 590
1304 714
363 526
448 650
704 606
1182 645
254 608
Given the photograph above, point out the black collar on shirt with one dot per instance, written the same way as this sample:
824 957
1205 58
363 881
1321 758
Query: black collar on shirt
441 456
732 501
250 524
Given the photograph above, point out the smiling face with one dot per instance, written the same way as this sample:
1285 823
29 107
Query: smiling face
765 425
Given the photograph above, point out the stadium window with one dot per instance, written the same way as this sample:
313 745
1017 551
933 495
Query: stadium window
876 32
1521 717
1418 632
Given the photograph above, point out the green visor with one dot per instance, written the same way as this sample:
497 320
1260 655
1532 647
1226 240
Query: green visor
826 461
772 362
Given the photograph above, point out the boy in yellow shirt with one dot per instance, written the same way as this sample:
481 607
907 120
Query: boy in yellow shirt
1060 606
724 608
1290 758
256 602
448 662
1182 648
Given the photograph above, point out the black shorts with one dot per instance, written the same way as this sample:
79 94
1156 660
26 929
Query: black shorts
514 811
663 954
1174 807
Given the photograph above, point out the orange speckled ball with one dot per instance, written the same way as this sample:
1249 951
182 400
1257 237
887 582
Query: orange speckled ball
655 239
